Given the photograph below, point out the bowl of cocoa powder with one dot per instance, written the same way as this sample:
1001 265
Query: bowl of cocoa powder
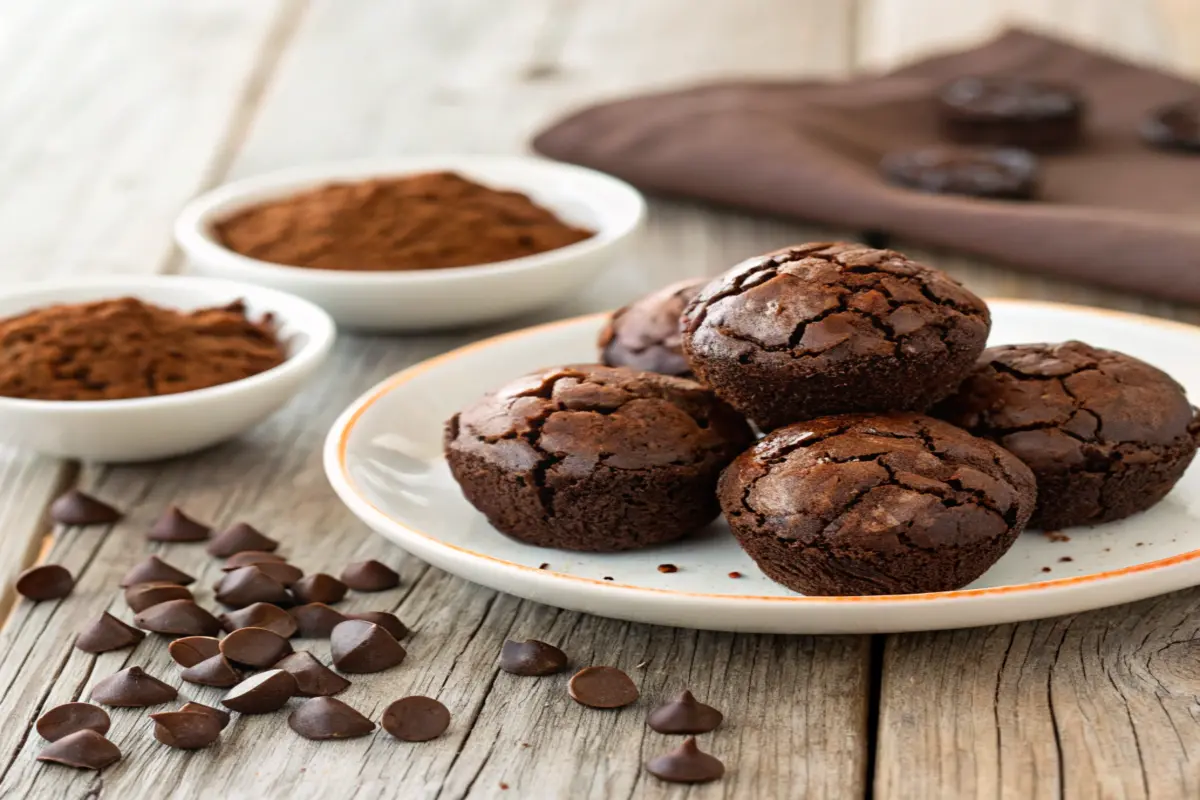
142 368
416 243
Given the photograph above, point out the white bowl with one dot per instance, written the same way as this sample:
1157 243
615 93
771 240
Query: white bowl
143 429
439 298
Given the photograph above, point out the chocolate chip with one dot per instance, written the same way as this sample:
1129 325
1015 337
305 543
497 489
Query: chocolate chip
186 730
370 576
531 657
602 687
285 573
178 618
416 719
260 615
686 764
384 619
249 558
141 596
68 718
155 570
313 679
222 717
316 620
360 646
191 650
212 671
175 526
735 574
47 582
262 693
132 688
240 538
667 568
249 585
684 714
254 647
107 633
327 718
77 508
84 749
319 588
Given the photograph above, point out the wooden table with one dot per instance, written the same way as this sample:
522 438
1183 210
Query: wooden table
114 113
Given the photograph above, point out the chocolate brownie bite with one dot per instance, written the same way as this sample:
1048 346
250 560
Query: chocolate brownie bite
1011 112
823 328
862 504
645 334
996 173
1105 434
595 458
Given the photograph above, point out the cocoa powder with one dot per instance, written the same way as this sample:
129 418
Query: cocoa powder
429 221
125 348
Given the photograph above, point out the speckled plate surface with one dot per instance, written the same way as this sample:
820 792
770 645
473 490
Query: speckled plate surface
384 459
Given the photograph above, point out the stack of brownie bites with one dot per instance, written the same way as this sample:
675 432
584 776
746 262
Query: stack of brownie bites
899 455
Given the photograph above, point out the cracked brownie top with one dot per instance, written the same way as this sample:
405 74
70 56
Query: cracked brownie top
645 333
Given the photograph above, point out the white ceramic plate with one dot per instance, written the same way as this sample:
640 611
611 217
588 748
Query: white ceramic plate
384 459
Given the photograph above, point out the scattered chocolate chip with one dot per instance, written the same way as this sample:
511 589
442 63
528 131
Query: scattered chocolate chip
212 671
178 618
47 582
1066 558
684 714
327 718
68 718
191 650
77 508
384 619
222 717
318 588
155 570
285 573
262 693
249 585
602 687
1045 569
240 538
370 576
735 574
416 719
608 577
249 558
107 633
316 620
260 615
175 526
361 646
186 730
83 749
141 596
686 764
255 647
668 568
544 565
531 657
313 679
132 688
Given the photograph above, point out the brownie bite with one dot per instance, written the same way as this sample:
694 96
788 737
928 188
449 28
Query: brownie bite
995 173
595 458
645 333
1011 112
824 328
863 504
1105 434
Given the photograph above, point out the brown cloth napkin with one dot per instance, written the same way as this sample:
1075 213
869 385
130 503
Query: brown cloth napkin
1113 212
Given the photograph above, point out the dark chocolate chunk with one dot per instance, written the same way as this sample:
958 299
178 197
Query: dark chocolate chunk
686 764
175 526
222 717
68 718
262 693
531 657
370 576
132 688
285 573
1176 126
240 538
249 585
361 646
260 615
155 570
999 173
178 618
107 633
416 719
255 647
327 718
191 650
212 671
77 508
384 619
602 687
667 569
684 714
186 730
249 558
316 620
318 588
141 596
47 582
83 749
313 678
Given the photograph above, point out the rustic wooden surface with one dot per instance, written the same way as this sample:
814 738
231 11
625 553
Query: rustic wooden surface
118 111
